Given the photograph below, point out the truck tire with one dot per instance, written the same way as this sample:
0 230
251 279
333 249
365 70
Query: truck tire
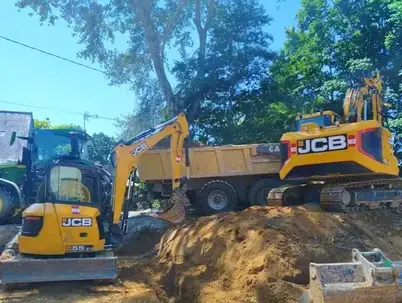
6 204
217 196
258 192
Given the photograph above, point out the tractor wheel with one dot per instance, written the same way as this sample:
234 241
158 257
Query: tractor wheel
6 204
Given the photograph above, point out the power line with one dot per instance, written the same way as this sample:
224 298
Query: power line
42 107
51 54
85 114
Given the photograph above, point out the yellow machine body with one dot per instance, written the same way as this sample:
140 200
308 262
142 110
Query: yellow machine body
348 162
61 230
327 145
69 234
63 227
345 149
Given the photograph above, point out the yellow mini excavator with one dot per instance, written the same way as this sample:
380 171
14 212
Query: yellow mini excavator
70 234
347 163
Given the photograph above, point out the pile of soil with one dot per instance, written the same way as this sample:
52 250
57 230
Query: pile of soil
263 254
258 255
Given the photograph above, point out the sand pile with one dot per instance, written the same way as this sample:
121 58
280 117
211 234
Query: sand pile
257 255
263 254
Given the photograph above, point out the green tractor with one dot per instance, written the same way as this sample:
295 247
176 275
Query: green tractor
24 155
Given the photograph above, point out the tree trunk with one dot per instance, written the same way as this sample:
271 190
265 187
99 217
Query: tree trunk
144 15
198 97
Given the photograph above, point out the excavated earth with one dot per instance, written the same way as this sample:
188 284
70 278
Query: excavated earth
261 254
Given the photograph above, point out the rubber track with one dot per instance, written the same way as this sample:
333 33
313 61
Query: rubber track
330 196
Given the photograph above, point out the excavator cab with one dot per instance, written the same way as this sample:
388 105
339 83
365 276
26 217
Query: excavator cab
326 145
316 120
72 190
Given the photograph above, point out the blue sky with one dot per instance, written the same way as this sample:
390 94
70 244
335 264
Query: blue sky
31 78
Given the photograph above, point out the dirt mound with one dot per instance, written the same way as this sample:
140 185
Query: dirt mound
258 255
263 254
136 284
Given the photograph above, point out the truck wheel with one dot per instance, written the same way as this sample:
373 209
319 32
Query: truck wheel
216 197
6 204
259 191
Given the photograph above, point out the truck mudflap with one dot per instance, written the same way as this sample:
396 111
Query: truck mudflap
370 277
24 269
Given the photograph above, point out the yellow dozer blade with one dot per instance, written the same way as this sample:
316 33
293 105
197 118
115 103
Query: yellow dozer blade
370 277
17 268
26 269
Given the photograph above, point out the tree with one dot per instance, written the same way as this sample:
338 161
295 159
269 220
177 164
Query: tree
99 147
333 45
42 124
46 124
226 31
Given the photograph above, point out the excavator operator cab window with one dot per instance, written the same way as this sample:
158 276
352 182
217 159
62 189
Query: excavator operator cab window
70 184
322 120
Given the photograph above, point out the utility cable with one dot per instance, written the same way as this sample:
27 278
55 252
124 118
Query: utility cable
58 110
51 54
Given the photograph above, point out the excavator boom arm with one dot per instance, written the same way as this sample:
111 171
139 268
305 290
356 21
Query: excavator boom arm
354 103
127 156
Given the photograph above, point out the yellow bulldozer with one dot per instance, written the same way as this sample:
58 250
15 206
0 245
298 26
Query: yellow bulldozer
346 163
71 234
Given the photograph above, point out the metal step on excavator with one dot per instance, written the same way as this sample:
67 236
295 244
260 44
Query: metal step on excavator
369 278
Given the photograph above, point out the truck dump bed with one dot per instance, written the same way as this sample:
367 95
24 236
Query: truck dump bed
217 161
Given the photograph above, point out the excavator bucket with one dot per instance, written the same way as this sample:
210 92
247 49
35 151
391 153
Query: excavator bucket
370 277
177 210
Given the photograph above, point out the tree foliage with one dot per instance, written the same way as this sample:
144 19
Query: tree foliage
220 48
333 45
46 124
233 88
99 147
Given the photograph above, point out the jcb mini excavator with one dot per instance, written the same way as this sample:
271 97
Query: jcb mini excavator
347 163
71 234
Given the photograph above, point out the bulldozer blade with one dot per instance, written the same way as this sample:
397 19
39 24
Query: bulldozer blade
24 269
370 277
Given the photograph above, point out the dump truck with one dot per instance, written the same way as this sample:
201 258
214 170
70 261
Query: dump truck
220 177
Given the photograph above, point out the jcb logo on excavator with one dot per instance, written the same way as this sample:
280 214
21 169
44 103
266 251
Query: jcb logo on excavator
76 222
319 145
139 149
